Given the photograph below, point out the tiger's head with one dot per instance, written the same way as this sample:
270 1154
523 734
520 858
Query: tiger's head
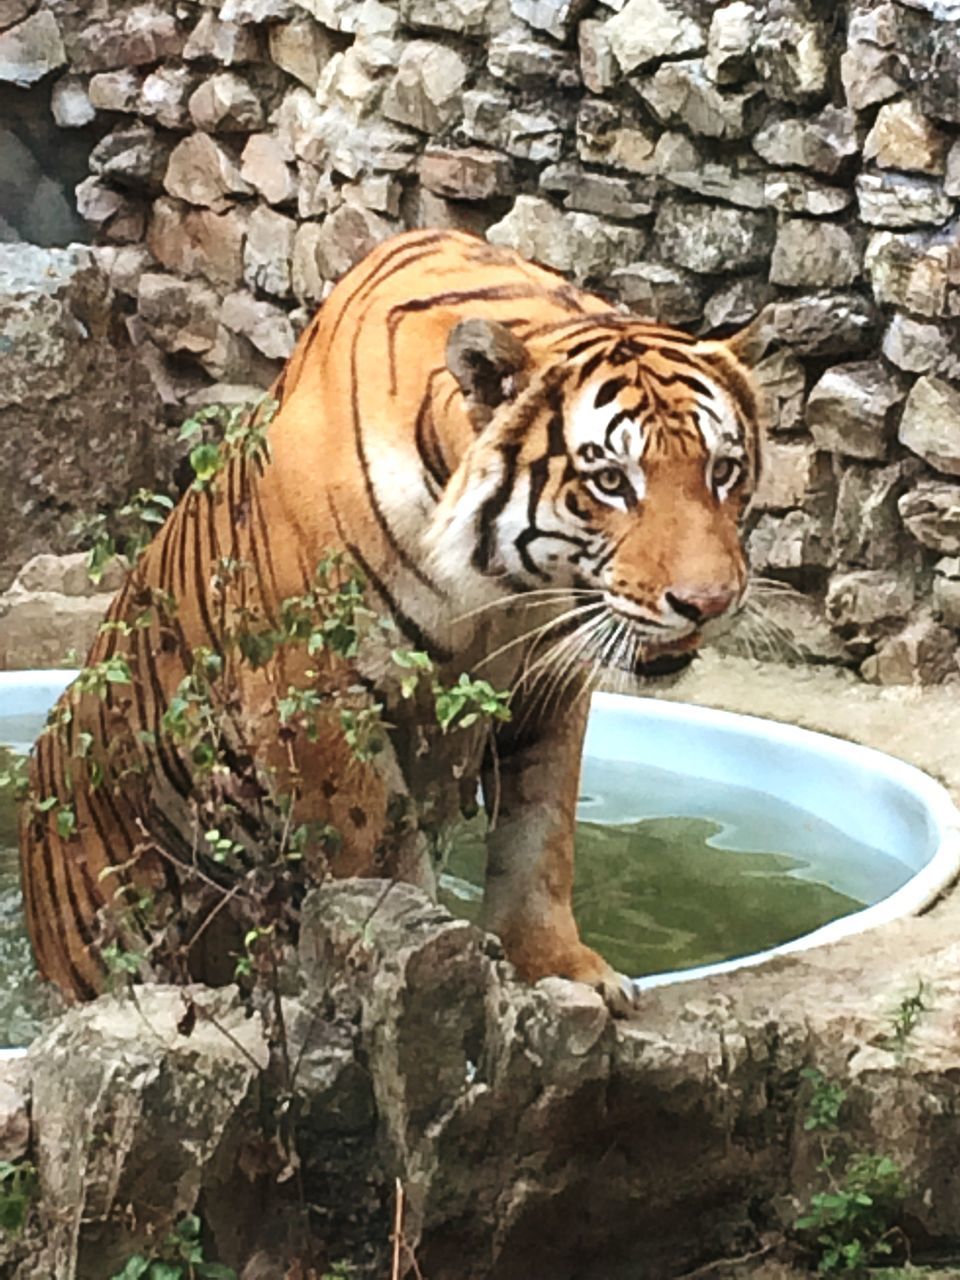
614 461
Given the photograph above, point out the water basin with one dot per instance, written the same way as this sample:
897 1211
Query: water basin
706 841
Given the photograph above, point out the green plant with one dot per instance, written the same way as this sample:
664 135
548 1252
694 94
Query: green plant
906 1016
123 533
178 1257
850 1222
18 1190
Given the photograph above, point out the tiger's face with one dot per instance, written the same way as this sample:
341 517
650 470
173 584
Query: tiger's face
619 472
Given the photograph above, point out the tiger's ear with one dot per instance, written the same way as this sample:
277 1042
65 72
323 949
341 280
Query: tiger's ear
490 363
749 344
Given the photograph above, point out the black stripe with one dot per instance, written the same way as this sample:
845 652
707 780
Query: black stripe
406 560
609 390
426 439
403 620
486 517
420 245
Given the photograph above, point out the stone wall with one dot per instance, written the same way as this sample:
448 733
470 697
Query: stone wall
695 161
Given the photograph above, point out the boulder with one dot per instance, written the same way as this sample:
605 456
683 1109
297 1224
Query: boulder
812 253
78 412
31 49
916 270
930 425
833 324
707 238
922 653
577 243
852 410
682 93
645 31
930 509
867 529
823 142
898 200
902 137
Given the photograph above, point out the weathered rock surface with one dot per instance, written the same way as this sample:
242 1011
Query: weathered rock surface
931 512
78 412
930 425
852 409
500 1145
52 610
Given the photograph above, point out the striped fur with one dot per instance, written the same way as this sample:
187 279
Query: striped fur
476 434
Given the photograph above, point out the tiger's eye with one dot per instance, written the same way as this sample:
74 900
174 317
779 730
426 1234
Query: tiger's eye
610 480
726 471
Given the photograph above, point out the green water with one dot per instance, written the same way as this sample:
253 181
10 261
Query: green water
24 1000
655 894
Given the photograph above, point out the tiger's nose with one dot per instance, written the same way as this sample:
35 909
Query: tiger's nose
700 606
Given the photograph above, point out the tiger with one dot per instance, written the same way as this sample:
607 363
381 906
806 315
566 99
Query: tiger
533 484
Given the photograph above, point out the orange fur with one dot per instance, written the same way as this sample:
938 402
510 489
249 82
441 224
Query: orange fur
550 443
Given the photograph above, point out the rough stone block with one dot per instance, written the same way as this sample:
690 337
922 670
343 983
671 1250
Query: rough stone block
930 425
852 409
135 157
796 541
512 56
115 91
607 135
823 142
466 173
228 43
923 653
733 30
263 324
799 193
709 238
682 93
225 103
931 512
268 251
916 346
683 164
578 243
461 17
198 242
426 91
202 172
791 56
867 529
180 315
902 137
869 596
599 193
808 252
789 474
662 293
917 271
78 413
70 103
816 325
645 31
165 94
302 48
896 200
598 67
871 68
31 50
557 17
265 165
782 383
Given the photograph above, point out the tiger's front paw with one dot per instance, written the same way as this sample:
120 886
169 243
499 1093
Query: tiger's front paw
619 992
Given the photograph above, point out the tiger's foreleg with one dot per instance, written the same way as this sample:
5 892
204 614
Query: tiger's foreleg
531 795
